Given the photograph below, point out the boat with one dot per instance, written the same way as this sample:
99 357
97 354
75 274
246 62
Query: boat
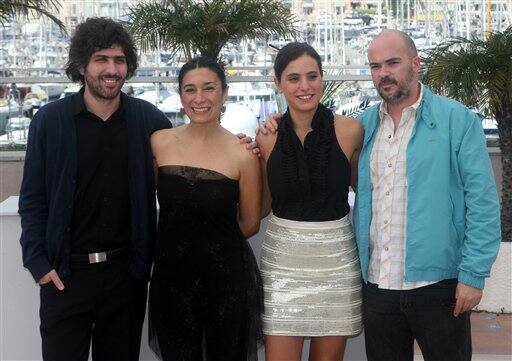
16 131
260 98
52 90
70 90
239 118
10 108
171 107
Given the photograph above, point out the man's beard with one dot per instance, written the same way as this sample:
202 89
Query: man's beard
402 93
98 91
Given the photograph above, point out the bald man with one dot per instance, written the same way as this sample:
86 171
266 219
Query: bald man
427 212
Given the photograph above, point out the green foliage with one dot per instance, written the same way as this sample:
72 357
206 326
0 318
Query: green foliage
12 147
368 11
477 72
206 26
23 8
331 88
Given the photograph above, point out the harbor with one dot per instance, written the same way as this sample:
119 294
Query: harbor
33 54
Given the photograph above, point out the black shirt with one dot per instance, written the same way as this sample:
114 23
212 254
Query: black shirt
101 214
48 188
310 182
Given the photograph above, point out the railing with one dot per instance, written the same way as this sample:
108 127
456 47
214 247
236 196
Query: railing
169 74
161 81
349 99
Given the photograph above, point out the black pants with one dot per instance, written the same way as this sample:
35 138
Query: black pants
100 302
394 319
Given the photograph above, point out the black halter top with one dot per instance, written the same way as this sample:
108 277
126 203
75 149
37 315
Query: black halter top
309 182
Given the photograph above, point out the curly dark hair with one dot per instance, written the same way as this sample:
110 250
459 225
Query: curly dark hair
202 62
95 34
292 51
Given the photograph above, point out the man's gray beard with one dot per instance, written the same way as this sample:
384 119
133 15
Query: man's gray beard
401 94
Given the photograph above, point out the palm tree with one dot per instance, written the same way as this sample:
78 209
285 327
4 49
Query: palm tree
479 73
206 26
15 8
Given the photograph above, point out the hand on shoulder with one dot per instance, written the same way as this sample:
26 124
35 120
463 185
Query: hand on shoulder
266 142
244 149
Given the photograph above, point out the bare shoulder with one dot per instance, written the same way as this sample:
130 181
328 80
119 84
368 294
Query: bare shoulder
348 123
348 127
163 138
238 150
163 135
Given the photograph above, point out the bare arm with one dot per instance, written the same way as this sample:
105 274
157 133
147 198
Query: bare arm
266 199
349 133
354 162
249 210
266 142
155 170
158 146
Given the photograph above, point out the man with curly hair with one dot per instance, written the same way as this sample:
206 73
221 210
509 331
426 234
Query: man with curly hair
87 203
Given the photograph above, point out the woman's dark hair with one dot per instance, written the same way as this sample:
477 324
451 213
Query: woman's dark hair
202 62
95 34
291 52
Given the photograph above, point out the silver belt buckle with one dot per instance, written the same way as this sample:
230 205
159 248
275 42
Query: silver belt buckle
97 257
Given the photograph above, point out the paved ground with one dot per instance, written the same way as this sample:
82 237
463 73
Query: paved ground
492 337
492 340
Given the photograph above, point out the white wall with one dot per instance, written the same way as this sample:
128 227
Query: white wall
19 298
19 295
498 290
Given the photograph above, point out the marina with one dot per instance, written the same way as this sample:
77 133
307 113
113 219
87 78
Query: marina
33 54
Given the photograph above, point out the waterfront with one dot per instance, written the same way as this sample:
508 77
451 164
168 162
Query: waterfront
33 53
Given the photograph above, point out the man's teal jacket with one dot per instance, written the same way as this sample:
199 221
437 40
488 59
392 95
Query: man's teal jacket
453 217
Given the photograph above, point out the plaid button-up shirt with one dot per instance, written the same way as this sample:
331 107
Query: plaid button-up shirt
389 200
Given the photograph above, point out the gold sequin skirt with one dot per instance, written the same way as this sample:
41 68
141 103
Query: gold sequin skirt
311 278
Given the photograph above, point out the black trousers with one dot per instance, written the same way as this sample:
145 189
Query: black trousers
101 302
393 319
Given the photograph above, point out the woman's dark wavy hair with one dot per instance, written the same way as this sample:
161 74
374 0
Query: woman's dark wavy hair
95 34
202 62
291 52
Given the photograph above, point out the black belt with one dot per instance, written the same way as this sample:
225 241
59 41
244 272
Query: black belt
99 257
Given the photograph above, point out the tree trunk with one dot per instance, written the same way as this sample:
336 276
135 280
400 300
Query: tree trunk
504 120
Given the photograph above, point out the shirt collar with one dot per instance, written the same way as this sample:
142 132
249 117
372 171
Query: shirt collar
79 103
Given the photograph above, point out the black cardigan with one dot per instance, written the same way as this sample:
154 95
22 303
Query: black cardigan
49 181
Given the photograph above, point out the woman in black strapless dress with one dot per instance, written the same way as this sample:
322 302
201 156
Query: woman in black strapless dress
205 294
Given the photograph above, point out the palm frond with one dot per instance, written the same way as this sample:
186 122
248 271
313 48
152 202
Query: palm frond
330 90
10 9
206 26
477 72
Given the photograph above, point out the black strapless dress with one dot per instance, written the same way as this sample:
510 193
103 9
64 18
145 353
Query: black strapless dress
205 297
